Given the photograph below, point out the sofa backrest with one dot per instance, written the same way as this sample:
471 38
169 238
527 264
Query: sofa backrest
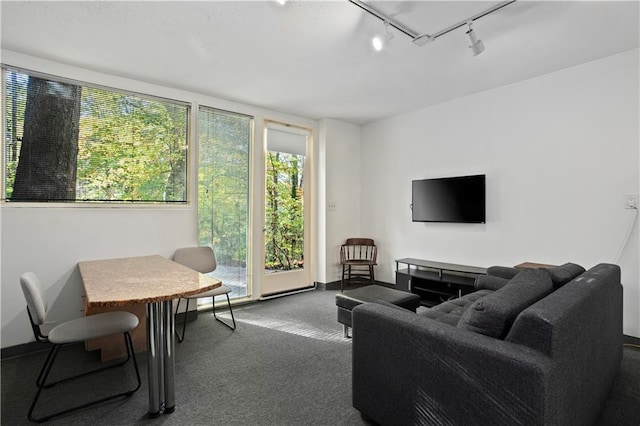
560 275
493 314
579 326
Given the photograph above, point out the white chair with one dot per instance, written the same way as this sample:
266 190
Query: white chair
203 260
77 330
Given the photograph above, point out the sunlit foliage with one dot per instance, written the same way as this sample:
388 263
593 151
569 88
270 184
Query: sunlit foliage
284 211
223 184
130 148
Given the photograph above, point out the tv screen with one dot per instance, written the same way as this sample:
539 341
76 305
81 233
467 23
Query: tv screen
453 199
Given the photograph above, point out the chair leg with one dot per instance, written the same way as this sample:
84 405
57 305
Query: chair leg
42 376
230 311
342 279
41 380
373 280
175 317
132 353
184 324
348 273
46 369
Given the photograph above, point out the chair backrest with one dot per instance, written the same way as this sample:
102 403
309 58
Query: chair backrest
37 304
358 249
200 259
359 242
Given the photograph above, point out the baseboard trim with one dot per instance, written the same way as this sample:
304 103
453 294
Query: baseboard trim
287 292
630 340
23 349
333 285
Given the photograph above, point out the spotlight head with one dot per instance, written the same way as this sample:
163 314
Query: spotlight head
380 41
476 46
377 43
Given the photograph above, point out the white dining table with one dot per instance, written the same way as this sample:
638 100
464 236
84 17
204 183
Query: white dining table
156 282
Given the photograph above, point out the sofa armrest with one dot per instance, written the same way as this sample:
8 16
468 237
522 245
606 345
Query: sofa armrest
408 369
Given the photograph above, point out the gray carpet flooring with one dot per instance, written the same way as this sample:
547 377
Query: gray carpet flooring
286 364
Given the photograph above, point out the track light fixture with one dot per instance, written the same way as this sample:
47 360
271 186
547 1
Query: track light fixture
476 46
379 42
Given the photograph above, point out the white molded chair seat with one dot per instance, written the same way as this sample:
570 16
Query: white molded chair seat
223 289
203 260
92 327
76 330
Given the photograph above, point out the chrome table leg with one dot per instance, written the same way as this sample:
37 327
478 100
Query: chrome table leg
168 323
154 362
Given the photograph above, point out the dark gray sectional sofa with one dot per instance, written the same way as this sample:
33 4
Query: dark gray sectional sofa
531 347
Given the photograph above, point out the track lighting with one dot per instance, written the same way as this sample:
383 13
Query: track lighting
379 42
476 46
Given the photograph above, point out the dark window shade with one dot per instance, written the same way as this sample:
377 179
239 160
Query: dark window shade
69 142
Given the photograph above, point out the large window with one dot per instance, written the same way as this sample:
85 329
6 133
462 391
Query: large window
223 193
67 142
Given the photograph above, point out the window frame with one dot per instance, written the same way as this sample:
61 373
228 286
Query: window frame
189 106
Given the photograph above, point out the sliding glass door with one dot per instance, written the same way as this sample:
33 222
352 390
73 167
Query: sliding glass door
223 194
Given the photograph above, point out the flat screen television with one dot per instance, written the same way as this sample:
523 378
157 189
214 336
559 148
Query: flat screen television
458 199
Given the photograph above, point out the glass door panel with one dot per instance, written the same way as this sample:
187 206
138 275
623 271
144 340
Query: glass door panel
286 230
223 194
284 222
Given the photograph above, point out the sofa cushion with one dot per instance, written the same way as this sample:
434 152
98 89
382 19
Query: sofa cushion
493 314
560 275
489 282
452 310
351 298
507 272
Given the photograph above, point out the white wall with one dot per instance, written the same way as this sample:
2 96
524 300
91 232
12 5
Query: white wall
51 240
559 151
342 183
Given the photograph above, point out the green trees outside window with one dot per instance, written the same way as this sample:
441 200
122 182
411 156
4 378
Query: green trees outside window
68 142
224 141
284 222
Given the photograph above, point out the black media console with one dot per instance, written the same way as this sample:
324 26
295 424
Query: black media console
435 282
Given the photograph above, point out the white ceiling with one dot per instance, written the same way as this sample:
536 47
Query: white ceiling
314 58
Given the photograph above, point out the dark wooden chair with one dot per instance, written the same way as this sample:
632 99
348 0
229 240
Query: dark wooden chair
358 257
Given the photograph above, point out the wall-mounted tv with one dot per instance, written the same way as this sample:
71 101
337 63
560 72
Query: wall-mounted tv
452 199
